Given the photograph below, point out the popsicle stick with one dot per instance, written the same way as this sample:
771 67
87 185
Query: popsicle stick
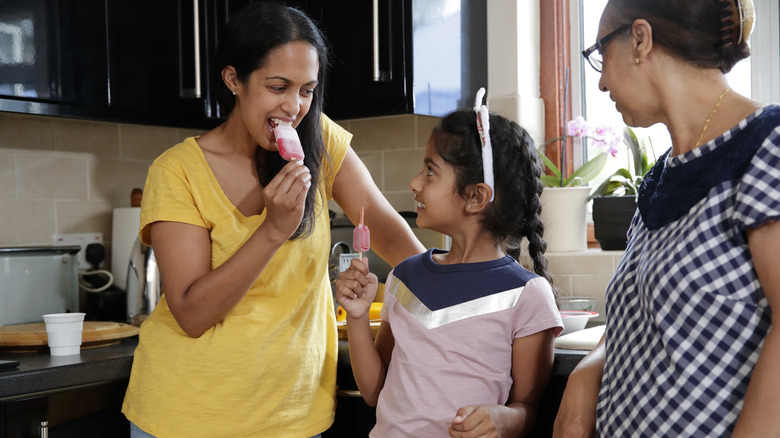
360 253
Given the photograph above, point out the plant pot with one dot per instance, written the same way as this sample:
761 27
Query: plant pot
563 213
611 218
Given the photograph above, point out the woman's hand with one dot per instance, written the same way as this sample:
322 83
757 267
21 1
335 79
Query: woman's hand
356 289
285 197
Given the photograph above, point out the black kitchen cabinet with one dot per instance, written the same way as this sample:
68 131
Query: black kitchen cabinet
149 62
402 56
92 411
136 61
51 52
158 58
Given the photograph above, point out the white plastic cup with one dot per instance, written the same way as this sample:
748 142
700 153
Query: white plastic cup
64 333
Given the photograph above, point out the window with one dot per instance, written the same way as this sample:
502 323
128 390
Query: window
757 76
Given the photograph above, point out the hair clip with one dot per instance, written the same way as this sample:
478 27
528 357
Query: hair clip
736 21
483 126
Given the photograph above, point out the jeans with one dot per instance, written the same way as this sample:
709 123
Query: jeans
136 432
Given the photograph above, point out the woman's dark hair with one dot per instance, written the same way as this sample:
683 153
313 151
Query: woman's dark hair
702 32
514 212
251 35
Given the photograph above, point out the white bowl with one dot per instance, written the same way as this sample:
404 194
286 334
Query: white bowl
575 320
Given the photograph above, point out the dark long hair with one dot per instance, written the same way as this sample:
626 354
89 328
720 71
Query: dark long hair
250 36
702 32
514 213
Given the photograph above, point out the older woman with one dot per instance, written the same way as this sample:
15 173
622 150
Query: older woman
689 348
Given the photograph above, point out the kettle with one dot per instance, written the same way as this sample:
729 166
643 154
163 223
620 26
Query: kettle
144 287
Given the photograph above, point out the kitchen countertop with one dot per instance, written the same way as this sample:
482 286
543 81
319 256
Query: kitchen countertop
40 372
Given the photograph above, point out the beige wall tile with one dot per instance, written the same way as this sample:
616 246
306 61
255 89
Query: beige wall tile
84 217
401 201
186 132
115 179
373 162
146 142
585 262
400 167
25 132
386 133
95 138
562 283
7 177
44 177
425 125
26 222
592 286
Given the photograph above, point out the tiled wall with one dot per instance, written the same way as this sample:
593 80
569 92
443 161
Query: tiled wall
584 273
66 176
392 149
61 175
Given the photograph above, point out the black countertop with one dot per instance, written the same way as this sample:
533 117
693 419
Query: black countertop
39 372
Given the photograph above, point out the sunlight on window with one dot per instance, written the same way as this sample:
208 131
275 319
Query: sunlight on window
598 108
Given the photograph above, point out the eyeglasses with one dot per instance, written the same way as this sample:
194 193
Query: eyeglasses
593 53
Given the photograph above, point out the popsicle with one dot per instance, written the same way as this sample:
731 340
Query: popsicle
287 140
361 237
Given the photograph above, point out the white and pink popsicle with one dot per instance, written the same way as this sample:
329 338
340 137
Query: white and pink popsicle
361 237
288 142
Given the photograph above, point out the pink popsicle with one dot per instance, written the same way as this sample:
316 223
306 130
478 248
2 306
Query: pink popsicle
361 237
288 142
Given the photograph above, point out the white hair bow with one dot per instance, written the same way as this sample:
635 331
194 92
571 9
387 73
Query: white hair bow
483 125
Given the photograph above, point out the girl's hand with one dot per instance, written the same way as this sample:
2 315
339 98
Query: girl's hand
285 197
356 289
476 421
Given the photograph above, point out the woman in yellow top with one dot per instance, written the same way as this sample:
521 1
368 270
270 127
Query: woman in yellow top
244 341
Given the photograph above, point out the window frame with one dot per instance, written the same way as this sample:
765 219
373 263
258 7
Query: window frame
764 63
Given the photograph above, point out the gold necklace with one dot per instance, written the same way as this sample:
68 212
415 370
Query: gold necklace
707 123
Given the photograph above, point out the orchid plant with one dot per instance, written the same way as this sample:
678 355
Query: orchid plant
603 136
625 181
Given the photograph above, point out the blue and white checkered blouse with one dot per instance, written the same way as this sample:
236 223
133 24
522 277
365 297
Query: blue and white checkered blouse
686 315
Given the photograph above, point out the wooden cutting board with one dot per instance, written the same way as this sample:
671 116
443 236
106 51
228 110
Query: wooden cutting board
32 337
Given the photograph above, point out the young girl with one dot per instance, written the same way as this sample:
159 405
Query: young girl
466 341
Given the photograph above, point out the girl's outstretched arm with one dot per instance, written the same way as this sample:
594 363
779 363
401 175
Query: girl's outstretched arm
355 290
532 363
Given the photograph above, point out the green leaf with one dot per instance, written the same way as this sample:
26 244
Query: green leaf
549 164
589 170
550 181
624 173
629 137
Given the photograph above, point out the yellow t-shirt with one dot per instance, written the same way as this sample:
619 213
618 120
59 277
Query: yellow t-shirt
268 369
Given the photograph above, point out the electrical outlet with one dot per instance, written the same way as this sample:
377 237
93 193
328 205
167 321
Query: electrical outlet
82 240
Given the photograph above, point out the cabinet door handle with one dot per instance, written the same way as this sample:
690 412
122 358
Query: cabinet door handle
375 28
196 35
